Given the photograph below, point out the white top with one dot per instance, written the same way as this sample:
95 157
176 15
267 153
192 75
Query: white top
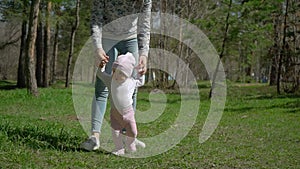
121 93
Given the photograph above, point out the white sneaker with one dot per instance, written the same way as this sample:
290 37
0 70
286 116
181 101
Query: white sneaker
139 143
92 143
119 152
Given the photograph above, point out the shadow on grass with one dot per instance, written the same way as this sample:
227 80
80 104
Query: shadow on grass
264 97
39 138
290 106
242 109
7 85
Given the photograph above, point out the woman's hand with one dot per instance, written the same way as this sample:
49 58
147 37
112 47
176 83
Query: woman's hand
101 58
142 65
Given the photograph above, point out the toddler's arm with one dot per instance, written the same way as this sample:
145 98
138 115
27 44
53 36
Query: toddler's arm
105 77
140 80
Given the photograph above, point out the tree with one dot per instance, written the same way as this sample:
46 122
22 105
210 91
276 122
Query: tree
30 47
11 41
283 52
21 81
12 12
274 51
46 63
55 52
39 53
289 61
225 38
72 39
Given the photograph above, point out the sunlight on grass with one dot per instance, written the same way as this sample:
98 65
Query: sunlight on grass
259 129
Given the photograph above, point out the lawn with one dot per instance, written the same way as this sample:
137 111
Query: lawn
258 129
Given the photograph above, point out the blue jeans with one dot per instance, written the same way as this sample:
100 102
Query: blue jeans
112 48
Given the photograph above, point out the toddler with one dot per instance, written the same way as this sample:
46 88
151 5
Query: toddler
121 85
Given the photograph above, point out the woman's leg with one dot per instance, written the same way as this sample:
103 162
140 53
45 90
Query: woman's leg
99 106
100 99
101 92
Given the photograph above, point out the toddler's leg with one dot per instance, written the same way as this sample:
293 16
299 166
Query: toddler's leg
117 139
131 131
116 133
130 144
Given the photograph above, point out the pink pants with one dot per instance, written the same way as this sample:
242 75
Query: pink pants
127 121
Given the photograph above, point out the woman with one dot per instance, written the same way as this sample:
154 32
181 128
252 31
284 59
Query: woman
127 29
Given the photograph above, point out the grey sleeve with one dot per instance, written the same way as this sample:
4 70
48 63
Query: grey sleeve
144 26
97 22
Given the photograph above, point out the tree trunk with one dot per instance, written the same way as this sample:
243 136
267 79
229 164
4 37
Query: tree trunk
72 40
39 54
55 51
275 52
273 68
46 67
283 49
162 80
222 49
33 21
21 82
180 50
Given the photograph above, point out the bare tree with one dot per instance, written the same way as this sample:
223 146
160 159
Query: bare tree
55 51
222 48
21 81
275 52
284 46
8 54
30 46
72 40
46 63
10 42
39 54
290 80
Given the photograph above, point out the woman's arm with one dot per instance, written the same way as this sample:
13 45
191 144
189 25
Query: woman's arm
143 28
96 31
97 22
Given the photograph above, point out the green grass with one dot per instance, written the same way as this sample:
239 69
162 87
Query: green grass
259 129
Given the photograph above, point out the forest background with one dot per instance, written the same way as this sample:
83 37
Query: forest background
258 41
